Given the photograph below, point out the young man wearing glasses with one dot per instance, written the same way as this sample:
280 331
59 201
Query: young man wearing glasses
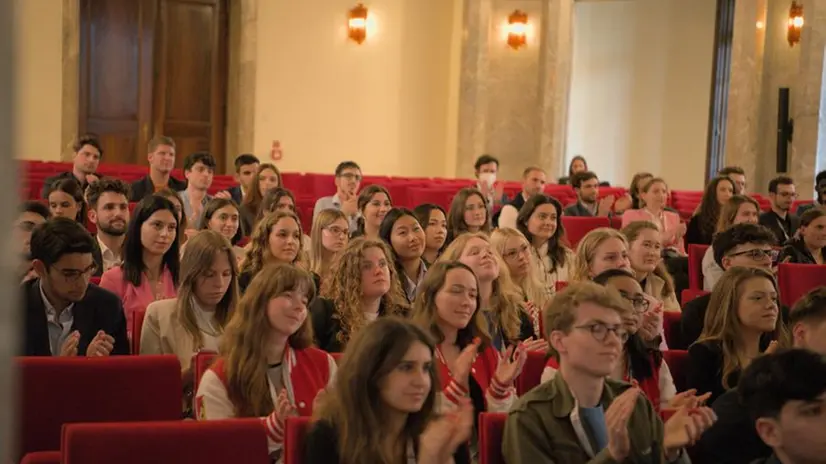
741 245
780 220
65 316
581 415
348 179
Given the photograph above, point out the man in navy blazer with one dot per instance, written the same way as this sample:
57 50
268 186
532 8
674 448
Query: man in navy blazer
64 314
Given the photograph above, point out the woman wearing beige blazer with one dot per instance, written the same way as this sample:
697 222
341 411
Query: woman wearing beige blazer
195 320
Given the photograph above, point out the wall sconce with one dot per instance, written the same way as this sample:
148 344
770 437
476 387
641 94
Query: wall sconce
517 29
795 23
357 23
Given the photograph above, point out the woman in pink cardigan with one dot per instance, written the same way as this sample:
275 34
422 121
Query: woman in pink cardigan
653 197
150 263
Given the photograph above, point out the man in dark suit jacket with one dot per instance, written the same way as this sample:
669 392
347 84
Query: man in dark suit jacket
246 168
64 314
85 162
161 162
780 219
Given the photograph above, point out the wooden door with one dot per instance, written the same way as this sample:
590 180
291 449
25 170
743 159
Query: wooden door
116 60
191 74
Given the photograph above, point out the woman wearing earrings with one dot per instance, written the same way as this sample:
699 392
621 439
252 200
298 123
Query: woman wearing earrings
363 287
195 320
329 236
433 219
223 216
373 203
150 267
540 221
276 239
388 381
401 231
268 368
468 213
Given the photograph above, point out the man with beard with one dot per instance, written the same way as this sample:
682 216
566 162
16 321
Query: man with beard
109 211
820 194
588 204
779 219
85 162
64 315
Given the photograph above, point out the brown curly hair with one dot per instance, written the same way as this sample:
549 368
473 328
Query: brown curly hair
344 288
258 252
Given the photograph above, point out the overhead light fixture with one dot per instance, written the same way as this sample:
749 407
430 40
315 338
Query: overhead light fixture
357 24
517 29
795 23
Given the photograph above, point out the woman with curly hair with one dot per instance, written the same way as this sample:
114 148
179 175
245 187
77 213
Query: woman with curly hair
703 224
363 285
268 368
499 298
276 239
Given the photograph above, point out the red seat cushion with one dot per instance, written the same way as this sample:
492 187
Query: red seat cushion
577 227
491 428
671 326
42 457
531 375
676 361
795 280
695 265
120 388
202 442
296 429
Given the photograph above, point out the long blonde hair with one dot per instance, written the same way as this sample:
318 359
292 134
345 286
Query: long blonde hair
587 248
505 303
258 253
632 232
722 324
323 219
344 288
531 288
200 251
247 335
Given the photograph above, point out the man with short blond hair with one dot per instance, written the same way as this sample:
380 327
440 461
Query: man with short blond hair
533 182
161 163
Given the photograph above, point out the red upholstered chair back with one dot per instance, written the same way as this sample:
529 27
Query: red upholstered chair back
94 280
531 375
689 294
56 391
336 357
576 227
491 428
677 360
200 363
135 330
795 280
42 457
671 326
202 442
297 428
695 266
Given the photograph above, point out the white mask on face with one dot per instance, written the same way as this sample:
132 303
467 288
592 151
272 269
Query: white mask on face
487 178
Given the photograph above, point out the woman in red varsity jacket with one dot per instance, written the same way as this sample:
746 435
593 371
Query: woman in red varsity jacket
268 367
469 366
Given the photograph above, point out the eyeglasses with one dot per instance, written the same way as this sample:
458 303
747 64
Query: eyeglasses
600 331
73 275
351 176
512 254
639 302
758 254
335 230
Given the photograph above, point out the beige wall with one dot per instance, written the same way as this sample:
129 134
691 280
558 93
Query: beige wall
37 70
641 87
383 104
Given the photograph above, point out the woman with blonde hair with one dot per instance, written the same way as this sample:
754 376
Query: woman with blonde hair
388 382
280 199
743 315
739 209
448 307
267 178
601 249
195 320
499 299
362 287
268 367
644 252
515 251
468 213
329 236
276 239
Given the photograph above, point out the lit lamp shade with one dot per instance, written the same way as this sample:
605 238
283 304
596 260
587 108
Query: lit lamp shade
357 24
517 29
795 23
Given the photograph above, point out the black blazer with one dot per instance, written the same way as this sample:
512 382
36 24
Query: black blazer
326 326
98 310
783 230
144 187
796 252
63 175
235 193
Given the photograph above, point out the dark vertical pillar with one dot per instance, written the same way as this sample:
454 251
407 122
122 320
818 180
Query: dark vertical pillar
720 82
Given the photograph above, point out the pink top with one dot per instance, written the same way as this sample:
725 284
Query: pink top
137 298
668 225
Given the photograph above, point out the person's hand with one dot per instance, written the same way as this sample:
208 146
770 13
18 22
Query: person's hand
461 369
101 345
532 344
69 347
283 407
685 427
680 231
511 364
445 434
224 194
319 397
276 420
689 399
623 203
651 320
773 346
605 204
349 203
189 233
616 421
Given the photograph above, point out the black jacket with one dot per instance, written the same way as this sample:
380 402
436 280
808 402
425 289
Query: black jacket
796 252
783 229
144 187
98 310
327 326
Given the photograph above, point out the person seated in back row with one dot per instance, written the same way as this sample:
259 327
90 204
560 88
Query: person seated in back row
64 315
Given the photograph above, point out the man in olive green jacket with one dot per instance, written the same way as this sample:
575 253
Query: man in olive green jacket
581 416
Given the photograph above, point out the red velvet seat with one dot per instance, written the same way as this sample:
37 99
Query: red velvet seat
671 326
695 266
677 360
200 363
795 280
183 442
491 429
42 457
689 294
531 375
296 430
55 391
578 227
135 330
